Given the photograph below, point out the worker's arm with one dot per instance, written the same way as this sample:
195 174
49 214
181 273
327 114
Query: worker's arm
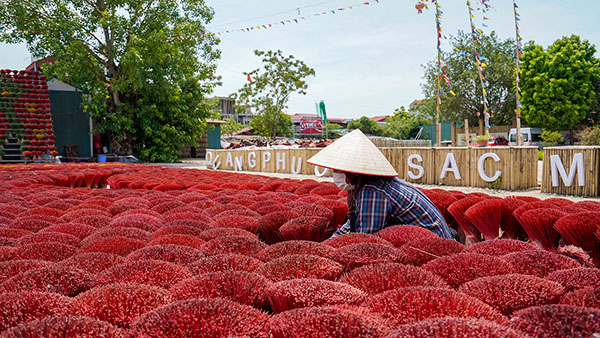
372 209
344 229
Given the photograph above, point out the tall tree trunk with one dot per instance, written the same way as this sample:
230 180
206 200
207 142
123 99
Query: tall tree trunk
121 144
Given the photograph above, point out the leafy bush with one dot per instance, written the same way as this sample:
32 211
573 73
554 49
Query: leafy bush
590 136
551 138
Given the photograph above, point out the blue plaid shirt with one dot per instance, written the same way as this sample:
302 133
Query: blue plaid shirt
389 202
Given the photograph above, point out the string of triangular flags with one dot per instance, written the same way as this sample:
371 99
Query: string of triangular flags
442 74
518 56
282 22
479 64
243 29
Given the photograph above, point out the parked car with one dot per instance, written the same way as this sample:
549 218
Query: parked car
494 141
531 137
498 141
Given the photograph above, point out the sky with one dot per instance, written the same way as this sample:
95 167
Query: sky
368 60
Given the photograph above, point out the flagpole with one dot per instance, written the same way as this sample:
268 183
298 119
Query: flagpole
518 56
486 116
438 129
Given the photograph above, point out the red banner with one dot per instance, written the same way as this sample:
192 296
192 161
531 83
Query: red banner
311 125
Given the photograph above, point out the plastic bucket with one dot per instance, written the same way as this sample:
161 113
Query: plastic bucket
101 158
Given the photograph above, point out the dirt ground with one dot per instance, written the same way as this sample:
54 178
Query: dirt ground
535 192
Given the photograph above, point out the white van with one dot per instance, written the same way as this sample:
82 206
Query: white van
531 137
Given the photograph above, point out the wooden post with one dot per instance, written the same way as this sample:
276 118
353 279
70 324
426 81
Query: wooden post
467 138
454 138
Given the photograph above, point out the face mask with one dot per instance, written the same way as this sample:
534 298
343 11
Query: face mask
339 178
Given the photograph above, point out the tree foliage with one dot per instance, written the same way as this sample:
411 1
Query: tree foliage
145 63
366 125
400 124
559 84
498 57
231 127
270 89
262 124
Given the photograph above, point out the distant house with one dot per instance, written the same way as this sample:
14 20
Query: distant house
228 111
379 119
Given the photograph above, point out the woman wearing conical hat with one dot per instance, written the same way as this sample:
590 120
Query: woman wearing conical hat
376 197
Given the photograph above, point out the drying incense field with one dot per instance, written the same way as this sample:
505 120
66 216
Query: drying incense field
169 252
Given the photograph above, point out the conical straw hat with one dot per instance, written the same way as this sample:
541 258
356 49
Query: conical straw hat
354 153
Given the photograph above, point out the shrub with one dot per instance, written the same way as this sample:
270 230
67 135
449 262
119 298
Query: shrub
590 136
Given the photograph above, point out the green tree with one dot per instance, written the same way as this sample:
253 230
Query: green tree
145 63
558 85
262 124
270 89
400 124
499 60
366 125
232 126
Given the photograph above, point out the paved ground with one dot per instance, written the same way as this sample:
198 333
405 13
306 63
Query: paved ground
535 192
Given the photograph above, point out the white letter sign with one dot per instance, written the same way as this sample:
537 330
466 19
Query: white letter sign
481 168
412 165
556 167
266 158
252 159
450 165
